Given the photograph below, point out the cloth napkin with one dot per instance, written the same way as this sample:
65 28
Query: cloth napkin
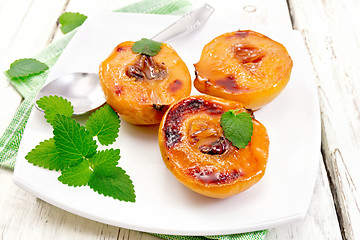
28 87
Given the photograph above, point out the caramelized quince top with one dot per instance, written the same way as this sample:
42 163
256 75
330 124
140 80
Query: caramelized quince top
244 66
141 87
196 151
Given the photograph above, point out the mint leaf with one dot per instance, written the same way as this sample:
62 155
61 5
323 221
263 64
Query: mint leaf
237 127
53 105
69 21
73 150
105 124
72 141
78 175
117 185
105 161
46 155
25 67
147 47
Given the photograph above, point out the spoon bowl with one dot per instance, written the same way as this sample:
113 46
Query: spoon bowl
81 89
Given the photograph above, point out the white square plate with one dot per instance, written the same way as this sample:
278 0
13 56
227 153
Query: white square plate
163 205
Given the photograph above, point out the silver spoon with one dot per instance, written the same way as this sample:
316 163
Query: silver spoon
83 89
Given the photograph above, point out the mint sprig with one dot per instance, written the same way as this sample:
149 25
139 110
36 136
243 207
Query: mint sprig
116 185
105 161
69 21
106 131
237 127
73 150
53 105
72 141
147 47
47 156
25 67
78 175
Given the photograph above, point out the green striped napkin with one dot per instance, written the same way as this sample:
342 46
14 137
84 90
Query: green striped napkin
28 88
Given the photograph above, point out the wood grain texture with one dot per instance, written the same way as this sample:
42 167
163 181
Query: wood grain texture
25 217
333 41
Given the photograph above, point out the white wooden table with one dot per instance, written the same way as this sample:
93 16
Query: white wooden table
332 35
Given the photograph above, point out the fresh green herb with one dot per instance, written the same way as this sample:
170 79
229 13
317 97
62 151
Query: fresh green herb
69 21
72 141
147 47
46 155
25 67
237 127
78 175
55 105
106 131
105 161
116 185
73 151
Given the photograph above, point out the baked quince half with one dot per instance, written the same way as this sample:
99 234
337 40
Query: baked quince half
141 85
243 66
196 151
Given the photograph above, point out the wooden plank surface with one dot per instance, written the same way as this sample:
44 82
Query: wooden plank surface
333 41
26 217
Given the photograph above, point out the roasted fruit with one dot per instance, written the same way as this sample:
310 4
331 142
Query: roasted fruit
139 87
243 66
196 151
